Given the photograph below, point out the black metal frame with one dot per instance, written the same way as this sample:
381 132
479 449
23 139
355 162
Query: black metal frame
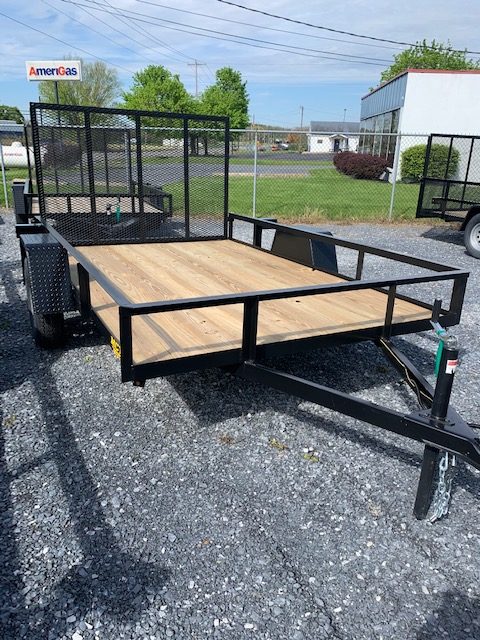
138 189
438 426
444 202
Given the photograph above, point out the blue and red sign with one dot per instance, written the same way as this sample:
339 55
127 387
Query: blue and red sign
53 70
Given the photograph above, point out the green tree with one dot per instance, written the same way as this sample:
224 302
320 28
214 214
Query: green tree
227 97
10 113
155 88
99 87
428 56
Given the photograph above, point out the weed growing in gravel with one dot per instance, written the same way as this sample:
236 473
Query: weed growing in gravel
9 421
279 446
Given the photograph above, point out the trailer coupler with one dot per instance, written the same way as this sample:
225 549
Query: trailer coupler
444 433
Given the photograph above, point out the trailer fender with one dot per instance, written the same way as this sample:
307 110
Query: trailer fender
470 213
50 287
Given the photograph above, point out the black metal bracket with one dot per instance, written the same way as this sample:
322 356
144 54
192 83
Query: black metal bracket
440 428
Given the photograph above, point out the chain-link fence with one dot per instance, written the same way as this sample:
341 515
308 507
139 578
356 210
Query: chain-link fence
302 175
13 154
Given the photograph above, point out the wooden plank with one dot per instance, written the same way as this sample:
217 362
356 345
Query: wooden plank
152 272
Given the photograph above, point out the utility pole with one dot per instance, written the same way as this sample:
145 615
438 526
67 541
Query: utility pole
344 116
196 64
301 117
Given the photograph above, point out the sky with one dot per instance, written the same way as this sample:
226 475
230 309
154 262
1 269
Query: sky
324 72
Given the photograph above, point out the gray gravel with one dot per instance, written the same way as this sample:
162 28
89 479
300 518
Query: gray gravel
188 509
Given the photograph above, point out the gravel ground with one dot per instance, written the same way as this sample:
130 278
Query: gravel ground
188 509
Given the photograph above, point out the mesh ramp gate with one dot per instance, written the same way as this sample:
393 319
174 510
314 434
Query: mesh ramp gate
451 176
106 176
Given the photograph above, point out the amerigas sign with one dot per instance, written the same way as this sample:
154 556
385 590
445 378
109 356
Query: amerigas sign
54 70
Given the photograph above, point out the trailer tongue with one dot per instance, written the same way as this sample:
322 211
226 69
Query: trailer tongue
128 222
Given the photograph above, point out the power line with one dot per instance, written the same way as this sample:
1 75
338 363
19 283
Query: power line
292 49
257 26
68 44
345 33
88 26
343 55
154 38
125 35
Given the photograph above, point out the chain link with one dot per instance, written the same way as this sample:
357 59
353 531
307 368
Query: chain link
443 492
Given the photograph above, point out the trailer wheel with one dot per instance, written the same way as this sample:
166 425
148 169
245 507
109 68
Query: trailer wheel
472 236
48 329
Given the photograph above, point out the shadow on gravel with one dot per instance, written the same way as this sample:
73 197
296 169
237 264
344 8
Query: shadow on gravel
457 618
367 368
451 235
108 578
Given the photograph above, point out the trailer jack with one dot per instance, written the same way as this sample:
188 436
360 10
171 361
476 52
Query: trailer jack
444 433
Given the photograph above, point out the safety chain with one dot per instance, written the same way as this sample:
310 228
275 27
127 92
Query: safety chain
443 491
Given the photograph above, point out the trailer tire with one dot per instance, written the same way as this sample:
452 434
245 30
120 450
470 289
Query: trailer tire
48 329
471 236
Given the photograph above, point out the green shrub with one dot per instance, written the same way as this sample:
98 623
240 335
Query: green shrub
413 160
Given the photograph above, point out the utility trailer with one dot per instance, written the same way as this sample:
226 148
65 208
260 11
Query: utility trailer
181 293
450 185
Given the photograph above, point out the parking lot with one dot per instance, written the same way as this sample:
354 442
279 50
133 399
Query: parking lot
205 506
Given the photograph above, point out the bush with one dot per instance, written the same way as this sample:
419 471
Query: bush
360 165
61 154
413 160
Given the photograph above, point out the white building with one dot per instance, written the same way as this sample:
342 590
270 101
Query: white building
330 137
419 101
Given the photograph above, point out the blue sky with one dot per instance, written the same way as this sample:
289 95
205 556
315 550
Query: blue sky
131 34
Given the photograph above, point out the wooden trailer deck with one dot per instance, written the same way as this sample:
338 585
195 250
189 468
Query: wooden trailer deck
171 271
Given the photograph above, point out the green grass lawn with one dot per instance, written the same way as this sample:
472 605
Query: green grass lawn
11 174
323 195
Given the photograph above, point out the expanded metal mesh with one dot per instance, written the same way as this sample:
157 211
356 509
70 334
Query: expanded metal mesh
451 178
112 175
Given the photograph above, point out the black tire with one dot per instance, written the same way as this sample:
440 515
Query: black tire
48 329
471 236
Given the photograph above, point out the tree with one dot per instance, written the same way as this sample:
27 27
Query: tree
428 56
155 88
227 97
11 113
99 87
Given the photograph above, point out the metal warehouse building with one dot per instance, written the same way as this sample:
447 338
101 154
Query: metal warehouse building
419 101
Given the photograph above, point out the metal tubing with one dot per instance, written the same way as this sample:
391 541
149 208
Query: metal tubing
423 498
186 184
51 106
443 388
360 261
141 204
254 196
84 290
126 347
225 176
459 438
250 326
38 161
105 156
79 142
387 326
90 165
257 236
348 244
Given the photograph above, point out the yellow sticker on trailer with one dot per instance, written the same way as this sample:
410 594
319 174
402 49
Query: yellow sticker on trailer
115 347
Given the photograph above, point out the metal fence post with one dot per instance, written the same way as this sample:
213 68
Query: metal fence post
255 153
2 162
394 176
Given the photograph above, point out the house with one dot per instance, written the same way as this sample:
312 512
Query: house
418 101
330 137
